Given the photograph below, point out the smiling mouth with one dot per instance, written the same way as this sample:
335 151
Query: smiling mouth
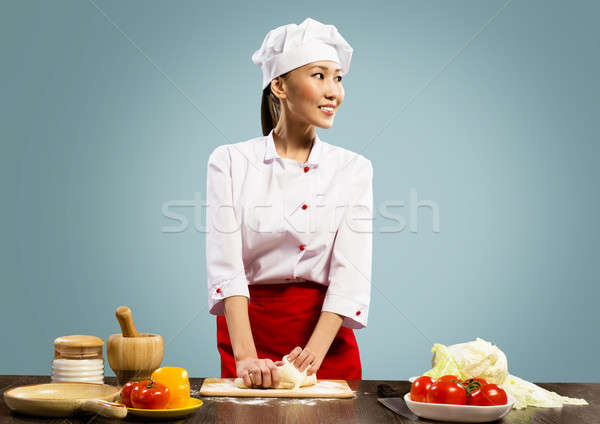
327 110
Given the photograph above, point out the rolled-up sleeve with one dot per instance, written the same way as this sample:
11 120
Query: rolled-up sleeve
224 264
349 291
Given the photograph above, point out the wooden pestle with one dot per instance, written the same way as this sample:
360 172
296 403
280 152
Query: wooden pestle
126 322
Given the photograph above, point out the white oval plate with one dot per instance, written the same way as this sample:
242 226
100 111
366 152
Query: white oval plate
459 413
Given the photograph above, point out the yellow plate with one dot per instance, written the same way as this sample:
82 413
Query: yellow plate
194 405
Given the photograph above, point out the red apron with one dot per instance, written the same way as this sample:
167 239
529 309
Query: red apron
283 316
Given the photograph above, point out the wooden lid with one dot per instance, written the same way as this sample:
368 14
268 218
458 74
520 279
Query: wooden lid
78 346
78 340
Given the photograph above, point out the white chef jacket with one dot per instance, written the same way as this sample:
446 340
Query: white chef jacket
277 220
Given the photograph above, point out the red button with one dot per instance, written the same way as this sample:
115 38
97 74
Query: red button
304 206
301 247
218 290
306 168
357 313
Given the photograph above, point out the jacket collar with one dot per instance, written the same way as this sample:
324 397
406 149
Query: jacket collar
271 151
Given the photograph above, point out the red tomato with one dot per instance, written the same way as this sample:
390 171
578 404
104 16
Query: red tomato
449 378
150 395
481 381
419 388
487 395
126 393
473 384
447 392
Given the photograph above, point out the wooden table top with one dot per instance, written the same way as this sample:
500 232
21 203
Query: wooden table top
363 409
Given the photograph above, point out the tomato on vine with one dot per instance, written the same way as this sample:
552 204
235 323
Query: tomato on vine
419 388
449 377
487 395
150 395
447 392
126 393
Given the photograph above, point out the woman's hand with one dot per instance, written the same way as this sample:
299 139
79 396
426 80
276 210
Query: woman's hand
258 372
315 350
303 358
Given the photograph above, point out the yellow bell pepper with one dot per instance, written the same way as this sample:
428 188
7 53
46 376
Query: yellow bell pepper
178 382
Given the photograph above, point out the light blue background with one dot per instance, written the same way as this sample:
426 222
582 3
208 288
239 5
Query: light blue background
102 125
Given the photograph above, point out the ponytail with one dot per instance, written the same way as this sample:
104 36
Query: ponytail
270 108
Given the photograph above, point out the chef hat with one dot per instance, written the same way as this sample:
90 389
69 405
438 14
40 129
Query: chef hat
290 46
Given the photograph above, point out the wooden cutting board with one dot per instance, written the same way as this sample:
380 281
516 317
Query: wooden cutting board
323 389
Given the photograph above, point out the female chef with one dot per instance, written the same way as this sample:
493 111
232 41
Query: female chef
289 221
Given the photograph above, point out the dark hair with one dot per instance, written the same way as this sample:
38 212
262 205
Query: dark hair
270 108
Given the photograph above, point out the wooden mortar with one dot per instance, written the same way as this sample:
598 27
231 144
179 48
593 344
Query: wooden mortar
132 355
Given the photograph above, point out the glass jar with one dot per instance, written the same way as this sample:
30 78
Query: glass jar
78 358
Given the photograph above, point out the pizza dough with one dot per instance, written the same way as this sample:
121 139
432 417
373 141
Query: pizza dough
289 377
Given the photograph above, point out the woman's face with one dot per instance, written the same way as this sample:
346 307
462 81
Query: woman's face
311 87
